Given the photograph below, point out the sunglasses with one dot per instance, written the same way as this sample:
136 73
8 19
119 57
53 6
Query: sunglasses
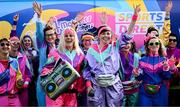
3 44
49 34
157 35
68 35
172 40
156 43
18 43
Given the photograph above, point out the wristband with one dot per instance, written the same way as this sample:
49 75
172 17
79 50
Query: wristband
166 68
88 83
14 22
134 17
167 17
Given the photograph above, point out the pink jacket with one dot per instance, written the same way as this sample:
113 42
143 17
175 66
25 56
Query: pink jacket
15 75
54 55
24 67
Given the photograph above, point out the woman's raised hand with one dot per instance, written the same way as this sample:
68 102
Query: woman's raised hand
37 8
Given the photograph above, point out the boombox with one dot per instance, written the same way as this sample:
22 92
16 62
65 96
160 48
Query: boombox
60 79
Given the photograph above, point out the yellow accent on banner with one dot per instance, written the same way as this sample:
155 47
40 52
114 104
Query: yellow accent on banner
143 9
5 29
102 9
136 2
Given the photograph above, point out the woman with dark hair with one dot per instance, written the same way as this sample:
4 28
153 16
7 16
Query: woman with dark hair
28 48
130 60
31 52
46 41
173 53
152 71
87 39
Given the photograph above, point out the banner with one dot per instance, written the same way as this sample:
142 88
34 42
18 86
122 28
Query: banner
119 15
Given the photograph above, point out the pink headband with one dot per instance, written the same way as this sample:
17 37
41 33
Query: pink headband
14 38
68 31
103 28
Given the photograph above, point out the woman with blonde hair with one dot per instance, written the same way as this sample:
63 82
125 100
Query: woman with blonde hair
63 44
69 51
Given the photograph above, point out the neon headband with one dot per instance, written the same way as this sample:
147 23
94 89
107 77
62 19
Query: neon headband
68 31
14 38
88 37
103 28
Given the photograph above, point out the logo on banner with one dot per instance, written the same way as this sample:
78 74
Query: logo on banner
145 20
83 26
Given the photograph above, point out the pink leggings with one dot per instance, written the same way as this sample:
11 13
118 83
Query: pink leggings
64 100
7 101
23 97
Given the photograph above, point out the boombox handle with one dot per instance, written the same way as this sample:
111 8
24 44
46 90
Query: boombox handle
57 63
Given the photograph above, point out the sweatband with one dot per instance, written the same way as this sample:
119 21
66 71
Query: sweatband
134 17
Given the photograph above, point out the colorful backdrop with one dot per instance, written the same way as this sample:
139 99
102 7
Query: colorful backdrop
119 15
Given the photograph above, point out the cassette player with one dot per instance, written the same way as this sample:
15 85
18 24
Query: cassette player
60 79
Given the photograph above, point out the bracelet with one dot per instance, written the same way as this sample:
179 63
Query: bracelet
166 68
88 83
134 17
14 22
167 17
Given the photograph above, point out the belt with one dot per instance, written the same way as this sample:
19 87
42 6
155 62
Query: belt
93 75
8 94
160 83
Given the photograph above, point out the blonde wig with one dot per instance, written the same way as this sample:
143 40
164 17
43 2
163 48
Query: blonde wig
61 46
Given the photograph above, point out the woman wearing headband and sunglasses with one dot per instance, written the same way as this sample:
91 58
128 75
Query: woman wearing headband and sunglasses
153 32
9 76
23 62
152 71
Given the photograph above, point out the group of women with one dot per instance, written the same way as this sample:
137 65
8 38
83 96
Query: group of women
112 72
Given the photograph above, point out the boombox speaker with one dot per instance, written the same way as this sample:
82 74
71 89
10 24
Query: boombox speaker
59 80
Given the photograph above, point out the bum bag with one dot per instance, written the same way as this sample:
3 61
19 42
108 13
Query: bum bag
152 89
